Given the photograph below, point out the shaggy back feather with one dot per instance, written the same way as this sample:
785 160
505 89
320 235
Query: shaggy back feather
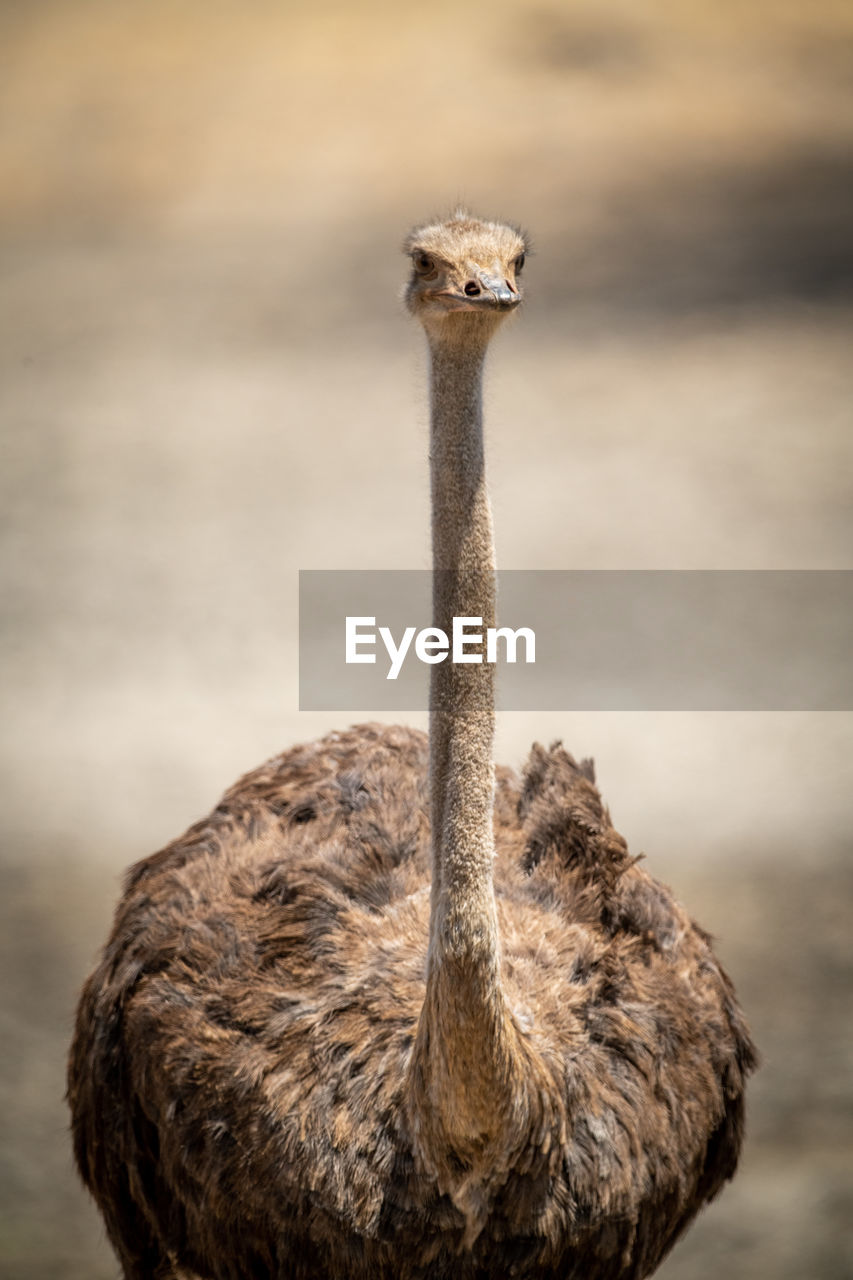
237 1078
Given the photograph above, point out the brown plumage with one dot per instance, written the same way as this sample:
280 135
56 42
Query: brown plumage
353 1025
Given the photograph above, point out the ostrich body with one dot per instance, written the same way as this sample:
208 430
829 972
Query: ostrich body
390 1012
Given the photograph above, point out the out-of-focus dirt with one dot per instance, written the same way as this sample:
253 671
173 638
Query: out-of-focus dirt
207 382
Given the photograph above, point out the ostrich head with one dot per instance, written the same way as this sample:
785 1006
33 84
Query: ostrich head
464 275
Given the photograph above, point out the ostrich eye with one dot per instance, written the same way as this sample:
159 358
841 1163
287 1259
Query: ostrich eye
424 263
519 263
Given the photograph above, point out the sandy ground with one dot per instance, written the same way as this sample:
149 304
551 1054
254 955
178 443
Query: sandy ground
207 383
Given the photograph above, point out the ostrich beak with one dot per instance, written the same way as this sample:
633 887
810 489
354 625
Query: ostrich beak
497 292
483 291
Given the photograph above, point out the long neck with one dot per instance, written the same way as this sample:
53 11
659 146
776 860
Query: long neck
464 1067
462 700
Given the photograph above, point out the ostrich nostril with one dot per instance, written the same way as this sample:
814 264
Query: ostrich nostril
472 289
510 286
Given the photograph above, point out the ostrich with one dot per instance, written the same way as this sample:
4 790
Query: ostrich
391 1012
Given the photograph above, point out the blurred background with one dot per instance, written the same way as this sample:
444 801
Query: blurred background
208 382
